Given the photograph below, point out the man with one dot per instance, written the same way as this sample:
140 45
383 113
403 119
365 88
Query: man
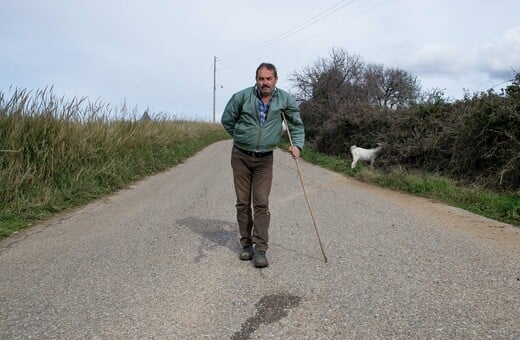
253 117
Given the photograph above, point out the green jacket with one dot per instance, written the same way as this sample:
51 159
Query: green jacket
240 119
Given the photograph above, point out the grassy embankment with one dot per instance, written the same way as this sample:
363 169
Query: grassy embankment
503 207
57 154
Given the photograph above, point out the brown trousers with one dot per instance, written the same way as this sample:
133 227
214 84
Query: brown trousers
252 177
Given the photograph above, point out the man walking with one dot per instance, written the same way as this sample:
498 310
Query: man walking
253 117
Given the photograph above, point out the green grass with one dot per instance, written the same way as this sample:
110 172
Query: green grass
9 223
503 207
57 154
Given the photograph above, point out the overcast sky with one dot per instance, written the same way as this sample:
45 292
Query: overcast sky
159 54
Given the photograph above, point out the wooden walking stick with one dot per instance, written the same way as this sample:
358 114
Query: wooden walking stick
305 192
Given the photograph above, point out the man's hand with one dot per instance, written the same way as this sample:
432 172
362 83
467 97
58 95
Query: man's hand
295 152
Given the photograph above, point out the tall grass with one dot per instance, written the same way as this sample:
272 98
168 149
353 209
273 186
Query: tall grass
57 153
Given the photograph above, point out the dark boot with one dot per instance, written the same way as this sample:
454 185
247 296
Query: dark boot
247 253
260 259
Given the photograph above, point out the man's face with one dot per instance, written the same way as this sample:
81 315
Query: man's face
266 81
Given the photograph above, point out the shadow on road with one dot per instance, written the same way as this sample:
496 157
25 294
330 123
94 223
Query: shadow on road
218 233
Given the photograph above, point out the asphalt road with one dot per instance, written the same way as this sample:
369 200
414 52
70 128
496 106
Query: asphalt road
159 260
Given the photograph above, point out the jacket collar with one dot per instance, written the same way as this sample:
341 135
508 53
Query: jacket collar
257 93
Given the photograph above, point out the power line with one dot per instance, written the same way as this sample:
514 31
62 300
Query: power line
351 18
379 4
291 32
309 22
502 83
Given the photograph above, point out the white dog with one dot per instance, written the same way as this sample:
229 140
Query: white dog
367 155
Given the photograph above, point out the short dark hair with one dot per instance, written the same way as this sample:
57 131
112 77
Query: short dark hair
268 66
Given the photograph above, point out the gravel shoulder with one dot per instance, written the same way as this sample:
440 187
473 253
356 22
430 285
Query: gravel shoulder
159 260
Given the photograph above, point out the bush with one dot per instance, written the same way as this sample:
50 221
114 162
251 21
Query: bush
475 140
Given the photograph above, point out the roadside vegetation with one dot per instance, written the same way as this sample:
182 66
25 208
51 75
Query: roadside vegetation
57 153
501 206
474 141
464 152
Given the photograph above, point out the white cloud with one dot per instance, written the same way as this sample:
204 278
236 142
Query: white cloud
438 60
160 53
500 57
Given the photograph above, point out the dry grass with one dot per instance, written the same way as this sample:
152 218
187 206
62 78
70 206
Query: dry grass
57 153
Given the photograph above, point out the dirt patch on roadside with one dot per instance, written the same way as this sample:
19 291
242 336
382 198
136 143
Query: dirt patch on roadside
502 234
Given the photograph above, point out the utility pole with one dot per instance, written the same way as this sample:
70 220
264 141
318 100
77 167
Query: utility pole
214 84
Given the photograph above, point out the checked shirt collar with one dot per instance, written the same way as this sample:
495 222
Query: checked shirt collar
263 108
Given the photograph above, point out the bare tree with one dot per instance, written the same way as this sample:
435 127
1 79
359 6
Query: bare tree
345 77
327 89
335 75
390 87
343 99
